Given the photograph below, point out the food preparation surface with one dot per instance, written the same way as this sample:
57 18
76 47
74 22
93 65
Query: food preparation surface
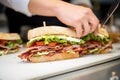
13 68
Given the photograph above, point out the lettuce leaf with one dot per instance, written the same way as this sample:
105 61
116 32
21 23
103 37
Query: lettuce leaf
64 40
51 38
92 36
93 51
13 44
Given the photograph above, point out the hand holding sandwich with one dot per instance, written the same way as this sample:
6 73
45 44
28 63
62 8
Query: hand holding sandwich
81 18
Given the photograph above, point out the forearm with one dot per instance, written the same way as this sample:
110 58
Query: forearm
44 7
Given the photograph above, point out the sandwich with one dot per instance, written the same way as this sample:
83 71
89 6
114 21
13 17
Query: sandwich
9 43
59 43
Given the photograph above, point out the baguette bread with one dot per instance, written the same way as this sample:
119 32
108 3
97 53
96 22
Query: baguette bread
59 56
102 31
9 36
58 30
104 51
49 30
9 43
4 52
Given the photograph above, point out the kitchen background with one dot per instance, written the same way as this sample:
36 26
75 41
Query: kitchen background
100 72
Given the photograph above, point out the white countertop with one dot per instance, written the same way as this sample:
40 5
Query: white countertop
13 68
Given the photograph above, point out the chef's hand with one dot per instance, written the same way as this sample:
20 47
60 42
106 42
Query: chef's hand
81 18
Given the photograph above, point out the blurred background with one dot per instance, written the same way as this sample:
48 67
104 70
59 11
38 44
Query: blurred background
100 8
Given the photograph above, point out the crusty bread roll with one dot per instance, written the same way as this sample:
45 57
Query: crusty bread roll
14 50
4 52
104 51
102 31
9 36
57 30
59 56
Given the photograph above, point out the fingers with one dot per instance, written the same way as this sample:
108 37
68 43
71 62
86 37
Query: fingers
94 25
89 24
79 30
96 31
81 18
86 28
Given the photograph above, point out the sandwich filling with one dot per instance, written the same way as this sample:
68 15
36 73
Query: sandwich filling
49 45
9 46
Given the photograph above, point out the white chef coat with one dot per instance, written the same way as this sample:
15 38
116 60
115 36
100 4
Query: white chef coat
88 2
17 5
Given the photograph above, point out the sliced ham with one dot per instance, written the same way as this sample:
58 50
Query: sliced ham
9 48
108 45
4 47
92 45
52 50
81 49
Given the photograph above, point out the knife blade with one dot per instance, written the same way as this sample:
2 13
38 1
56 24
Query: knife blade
111 10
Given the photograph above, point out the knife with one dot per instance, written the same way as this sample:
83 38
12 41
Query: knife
111 10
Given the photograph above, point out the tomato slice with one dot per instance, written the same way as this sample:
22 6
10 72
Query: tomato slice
52 44
40 43
3 42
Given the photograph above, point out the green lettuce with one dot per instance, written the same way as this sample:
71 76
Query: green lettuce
93 50
92 36
54 38
13 44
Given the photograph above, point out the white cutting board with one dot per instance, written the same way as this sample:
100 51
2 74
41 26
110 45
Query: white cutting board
13 68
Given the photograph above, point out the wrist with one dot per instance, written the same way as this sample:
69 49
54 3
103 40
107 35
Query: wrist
59 7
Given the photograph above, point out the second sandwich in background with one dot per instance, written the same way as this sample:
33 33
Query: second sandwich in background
9 43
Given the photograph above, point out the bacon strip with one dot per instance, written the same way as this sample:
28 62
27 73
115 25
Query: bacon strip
51 50
82 49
